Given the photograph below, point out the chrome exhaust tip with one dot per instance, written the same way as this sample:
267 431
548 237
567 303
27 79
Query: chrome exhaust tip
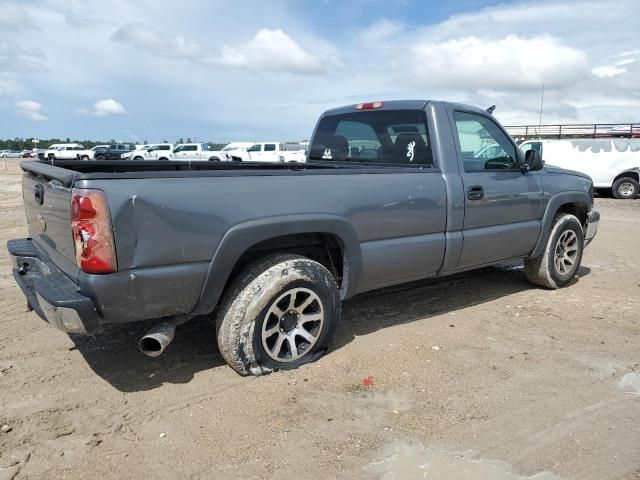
156 340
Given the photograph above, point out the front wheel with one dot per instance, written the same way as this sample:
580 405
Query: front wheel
625 188
562 255
280 313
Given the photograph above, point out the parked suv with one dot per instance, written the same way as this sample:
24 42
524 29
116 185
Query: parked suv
114 152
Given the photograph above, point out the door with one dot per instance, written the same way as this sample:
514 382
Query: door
255 153
187 152
271 153
503 205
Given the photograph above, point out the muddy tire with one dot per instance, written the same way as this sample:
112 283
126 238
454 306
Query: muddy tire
280 312
562 255
625 188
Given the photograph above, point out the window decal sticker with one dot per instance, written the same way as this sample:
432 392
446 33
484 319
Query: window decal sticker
327 154
410 150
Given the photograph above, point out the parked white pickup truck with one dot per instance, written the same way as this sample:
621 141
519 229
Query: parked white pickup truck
225 154
193 151
154 151
68 151
271 152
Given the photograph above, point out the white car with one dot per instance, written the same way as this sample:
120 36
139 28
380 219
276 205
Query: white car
231 149
612 163
154 151
68 151
10 154
272 152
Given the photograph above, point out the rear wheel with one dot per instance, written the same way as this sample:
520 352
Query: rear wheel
100 157
562 255
138 159
280 313
84 158
625 187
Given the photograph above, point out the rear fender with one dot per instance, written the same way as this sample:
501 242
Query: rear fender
245 235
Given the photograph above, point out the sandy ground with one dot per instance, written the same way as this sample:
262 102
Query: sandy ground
480 373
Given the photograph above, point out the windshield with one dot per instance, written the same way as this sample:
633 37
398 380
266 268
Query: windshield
382 137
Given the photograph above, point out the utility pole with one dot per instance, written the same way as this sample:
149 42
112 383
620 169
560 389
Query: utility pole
541 103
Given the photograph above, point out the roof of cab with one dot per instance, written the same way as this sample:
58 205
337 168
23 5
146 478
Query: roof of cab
386 105
404 105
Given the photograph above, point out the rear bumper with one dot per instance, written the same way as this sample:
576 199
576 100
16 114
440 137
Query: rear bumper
51 294
593 219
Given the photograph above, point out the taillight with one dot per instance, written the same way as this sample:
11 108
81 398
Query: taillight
92 233
369 105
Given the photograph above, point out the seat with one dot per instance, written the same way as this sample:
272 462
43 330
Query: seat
419 153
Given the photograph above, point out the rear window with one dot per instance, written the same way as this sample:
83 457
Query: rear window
383 137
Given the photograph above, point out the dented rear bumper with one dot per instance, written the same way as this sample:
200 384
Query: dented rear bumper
51 294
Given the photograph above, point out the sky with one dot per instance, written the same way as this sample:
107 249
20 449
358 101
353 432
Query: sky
253 70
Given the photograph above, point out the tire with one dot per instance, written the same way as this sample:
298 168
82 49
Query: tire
138 159
100 157
163 159
625 188
51 158
566 236
214 159
248 312
84 158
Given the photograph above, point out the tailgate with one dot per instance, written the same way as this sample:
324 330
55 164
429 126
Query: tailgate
46 191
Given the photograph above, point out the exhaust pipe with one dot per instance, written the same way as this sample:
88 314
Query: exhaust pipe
157 339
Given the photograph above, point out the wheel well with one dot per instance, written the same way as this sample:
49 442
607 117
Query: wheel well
580 210
634 175
324 248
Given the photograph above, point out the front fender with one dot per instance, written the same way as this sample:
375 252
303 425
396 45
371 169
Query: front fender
554 204
242 237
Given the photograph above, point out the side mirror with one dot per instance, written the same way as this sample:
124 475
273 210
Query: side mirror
533 160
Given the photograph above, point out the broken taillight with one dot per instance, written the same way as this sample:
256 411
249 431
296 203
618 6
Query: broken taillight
92 232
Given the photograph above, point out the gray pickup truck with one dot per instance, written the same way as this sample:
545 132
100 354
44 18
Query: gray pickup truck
392 192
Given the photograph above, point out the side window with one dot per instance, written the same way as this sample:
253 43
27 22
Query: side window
163 147
483 145
190 148
269 147
254 148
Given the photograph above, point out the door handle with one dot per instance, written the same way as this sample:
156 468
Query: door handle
475 192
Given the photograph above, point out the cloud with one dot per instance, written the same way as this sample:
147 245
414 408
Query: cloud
511 62
17 59
108 106
30 109
273 50
381 30
608 71
140 36
269 50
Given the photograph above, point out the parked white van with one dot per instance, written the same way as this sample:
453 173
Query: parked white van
612 163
